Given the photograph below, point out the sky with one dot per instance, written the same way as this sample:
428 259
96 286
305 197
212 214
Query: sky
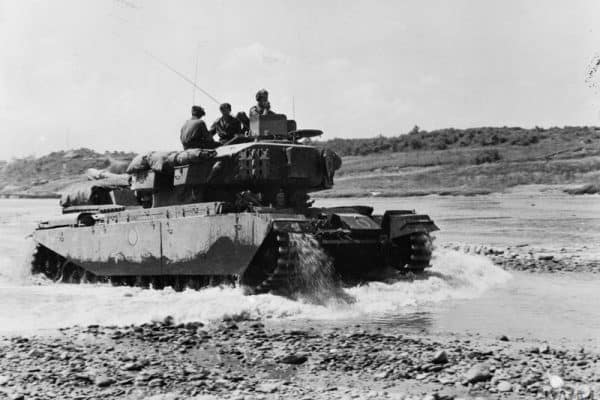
92 73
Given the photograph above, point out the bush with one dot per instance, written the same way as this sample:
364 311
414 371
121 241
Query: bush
416 144
487 156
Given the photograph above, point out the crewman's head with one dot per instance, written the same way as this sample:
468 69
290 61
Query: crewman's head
198 112
225 109
262 97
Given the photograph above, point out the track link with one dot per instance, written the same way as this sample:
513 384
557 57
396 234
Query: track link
280 279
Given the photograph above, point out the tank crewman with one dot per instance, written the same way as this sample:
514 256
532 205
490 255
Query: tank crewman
227 127
194 133
245 121
262 107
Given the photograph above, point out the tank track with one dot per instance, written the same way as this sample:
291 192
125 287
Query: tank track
421 247
59 269
280 280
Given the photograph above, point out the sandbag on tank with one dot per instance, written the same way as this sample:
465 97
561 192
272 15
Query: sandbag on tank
158 161
191 156
94 174
139 163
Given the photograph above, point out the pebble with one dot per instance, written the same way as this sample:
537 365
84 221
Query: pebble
556 382
267 387
294 359
504 386
252 361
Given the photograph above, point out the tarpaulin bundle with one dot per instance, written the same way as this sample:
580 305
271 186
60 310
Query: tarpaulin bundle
92 192
154 160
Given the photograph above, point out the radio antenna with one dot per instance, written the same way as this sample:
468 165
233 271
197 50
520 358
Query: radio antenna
182 76
195 77
170 68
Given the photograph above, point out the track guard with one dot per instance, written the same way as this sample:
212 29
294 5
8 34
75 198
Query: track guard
397 223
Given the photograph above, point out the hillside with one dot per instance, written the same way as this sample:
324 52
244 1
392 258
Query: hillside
469 161
447 161
47 175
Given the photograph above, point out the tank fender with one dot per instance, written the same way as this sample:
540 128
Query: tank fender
292 225
401 223
358 222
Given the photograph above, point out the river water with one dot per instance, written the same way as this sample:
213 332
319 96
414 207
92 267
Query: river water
462 293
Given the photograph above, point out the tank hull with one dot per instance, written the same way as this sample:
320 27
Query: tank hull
179 243
203 243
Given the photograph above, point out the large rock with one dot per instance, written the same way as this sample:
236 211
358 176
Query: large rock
440 357
477 373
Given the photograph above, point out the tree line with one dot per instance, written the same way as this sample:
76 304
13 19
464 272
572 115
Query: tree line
447 138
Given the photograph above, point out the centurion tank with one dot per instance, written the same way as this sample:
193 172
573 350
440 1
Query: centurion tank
230 214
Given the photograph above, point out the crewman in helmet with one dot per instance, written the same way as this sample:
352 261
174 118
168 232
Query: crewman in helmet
194 134
227 127
262 107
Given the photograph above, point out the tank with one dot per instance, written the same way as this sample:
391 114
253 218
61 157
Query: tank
240 213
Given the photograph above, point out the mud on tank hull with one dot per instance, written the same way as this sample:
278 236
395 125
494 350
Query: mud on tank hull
203 244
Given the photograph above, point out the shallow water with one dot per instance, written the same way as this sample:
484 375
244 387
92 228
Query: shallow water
461 293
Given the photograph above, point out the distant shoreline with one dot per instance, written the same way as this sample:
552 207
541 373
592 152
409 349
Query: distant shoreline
29 196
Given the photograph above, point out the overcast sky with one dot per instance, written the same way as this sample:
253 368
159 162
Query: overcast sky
79 74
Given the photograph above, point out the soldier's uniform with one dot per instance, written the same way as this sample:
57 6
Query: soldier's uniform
194 133
258 110
262 107
227 127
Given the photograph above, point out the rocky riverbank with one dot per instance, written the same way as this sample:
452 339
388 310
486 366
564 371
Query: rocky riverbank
530 259
242 359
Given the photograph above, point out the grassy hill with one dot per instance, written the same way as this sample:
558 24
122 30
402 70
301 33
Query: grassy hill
467 161
446 161
46 175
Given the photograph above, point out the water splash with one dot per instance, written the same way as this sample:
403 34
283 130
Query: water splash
454 276
15 267
315 275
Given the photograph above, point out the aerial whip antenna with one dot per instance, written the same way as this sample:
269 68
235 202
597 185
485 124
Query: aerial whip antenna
195 77
169 67
182 76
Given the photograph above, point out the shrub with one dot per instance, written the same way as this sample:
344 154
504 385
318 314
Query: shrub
487 156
